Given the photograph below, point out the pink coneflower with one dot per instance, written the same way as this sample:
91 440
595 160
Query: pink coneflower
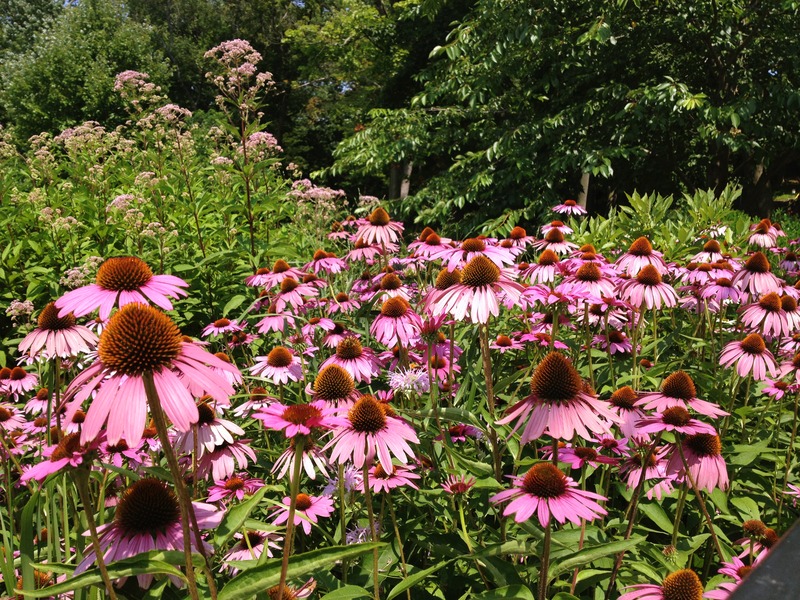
790 262
456 258
120 454
544 490
67 453
236 486
317 324
678 389
250 546
224 460
57 336
703 453
721 290
356 359
588 280
313 459
294 294
639 255
379 229
268 278
460 433
276 320
342 302
458 485
239 339
542 340
764 234
545 269
325 262
230 373
148 518
210 431
308 510
793 491
386 479
372 429
560 225
10 419
504 343
429 245
280 366
389 285
569 207
363 251
711 252
477 294
396 324
736 569
140 339
647 290
615 342
554 240
751 357
335 386
767 315
440 368
790 307
578 457
755 277
337 334
558 404
655 471
121 280
299 419
677 419
221 326
18 381
623 402
680 585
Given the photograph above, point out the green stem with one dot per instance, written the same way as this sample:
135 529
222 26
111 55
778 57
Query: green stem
82 483
373 530
678 514
403 568
184 502
788 465
483 334
701 502
294 487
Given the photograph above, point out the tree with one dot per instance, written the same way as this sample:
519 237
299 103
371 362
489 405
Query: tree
522 101
68 75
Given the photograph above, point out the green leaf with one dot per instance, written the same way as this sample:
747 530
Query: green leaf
518 592
236 517
26 542
146 563
657 515
414 579
233 304
587 555
255 580
347 592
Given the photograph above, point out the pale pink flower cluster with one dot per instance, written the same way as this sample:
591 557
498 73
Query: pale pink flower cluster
19 310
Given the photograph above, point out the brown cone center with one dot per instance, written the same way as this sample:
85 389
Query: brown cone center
123 273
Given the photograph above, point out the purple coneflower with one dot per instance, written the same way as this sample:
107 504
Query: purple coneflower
356 359
615 342
396 324
313 459
210 430
767 315
268 278
545 491
569 207
639 255
325 262
477 293
751 357
678 389
545 269
224 460
703 453
554 240
299 419
342 302
17 381
558 405
57 336
755 277
67 453
372 429
335 386
504 343
647 290
675 418
680 585
221 326
379 229
250 546
121 280
764 234
140 339
308 510
623 402
711 252
588 280
384 479
147 518
721 290
280 366
236 486
293 293
578 457
458 485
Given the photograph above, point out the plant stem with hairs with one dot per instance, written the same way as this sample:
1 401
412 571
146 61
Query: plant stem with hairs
82 483
294 488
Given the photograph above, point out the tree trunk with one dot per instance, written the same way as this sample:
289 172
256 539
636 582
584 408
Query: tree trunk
583 195
400 180
756 196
